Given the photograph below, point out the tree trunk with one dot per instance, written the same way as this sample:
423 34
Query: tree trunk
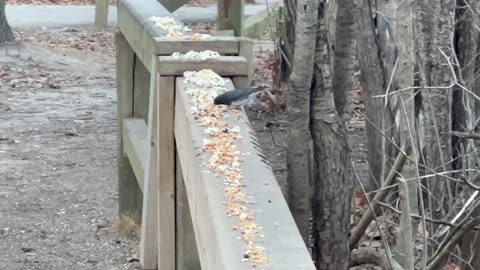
388 54
404 104
463 106
287 38
463 111
373 83
333 186
436 102
476 87
344 51
6 33
299 153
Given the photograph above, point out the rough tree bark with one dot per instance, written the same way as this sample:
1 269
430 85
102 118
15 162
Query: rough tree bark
373 83
300 149
463 105
6 33
344 51
287 38
396 37
436 19
333 186
463 111
388 54
476 87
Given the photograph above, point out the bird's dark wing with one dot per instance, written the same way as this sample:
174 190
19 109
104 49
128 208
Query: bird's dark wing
229 96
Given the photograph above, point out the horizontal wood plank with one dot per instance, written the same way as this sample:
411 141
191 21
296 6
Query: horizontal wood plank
136 146
217 242
230 33
222 45
224 66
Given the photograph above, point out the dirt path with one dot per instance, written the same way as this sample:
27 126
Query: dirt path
58 198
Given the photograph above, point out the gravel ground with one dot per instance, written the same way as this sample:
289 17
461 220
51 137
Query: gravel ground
58 194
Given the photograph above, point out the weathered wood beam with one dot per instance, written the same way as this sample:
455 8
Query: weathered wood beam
230 15
166 187
246 50
135 145
101 13
186 249
228 33
224 66
254 26
146 39
149 233
138 30
220 44
129 193
217 242
141 90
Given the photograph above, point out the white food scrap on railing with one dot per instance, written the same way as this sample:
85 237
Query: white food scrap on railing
176 30
168 24
225 159
203 55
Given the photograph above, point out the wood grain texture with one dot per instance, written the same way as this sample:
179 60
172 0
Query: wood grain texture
217 243
129 193
132 17
220 44
148 240
224 66
166 187
187 253
101 13
246 50
141 90
254 26
229 33
230 15
136 146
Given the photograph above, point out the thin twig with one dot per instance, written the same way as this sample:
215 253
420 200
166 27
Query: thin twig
464 135
382 236
380 196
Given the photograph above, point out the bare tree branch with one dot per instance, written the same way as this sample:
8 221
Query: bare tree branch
371 255
405 243
465 135
380 196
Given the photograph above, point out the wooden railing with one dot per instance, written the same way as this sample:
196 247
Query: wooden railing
162 178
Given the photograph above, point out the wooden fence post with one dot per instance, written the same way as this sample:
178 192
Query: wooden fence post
187 253
148 240
166 186
129 194
230 16
101 13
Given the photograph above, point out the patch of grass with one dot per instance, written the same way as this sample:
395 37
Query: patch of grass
127 227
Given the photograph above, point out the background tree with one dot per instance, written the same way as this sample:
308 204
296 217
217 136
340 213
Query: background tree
420 74
299 153
312 110
6 33
333 182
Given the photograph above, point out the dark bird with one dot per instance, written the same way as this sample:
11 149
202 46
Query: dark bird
237 97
